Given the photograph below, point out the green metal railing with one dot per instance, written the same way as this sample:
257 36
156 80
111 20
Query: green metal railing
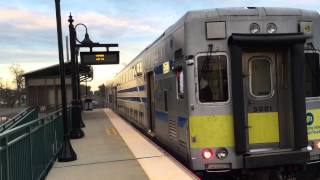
28 151
23 117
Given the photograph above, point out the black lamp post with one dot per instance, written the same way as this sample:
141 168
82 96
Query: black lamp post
85 41
77 122
67 153
76 132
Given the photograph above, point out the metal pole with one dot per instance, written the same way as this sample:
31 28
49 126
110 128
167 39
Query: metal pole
82 125
78 75
86 89
67 48
67 153
76 132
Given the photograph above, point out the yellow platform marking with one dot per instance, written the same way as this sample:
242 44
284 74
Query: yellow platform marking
111 132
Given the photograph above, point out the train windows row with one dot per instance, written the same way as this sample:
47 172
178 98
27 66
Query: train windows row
213 78
131 73
131 113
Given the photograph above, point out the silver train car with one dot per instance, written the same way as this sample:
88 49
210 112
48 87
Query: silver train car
229 88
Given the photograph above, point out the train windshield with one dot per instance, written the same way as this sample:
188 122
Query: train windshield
312 75
212 78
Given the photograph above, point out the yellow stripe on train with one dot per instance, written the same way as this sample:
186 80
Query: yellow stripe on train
313 122
211 131
263 127
217 130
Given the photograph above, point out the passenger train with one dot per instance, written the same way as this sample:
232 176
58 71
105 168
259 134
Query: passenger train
229 89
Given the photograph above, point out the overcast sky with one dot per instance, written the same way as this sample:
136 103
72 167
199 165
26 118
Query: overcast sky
28 27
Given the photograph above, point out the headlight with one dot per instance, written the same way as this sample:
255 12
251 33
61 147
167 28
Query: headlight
254 28
271 28
222 153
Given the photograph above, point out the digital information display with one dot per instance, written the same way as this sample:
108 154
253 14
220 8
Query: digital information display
99 58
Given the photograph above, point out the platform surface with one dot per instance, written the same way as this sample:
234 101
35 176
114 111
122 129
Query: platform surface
113 149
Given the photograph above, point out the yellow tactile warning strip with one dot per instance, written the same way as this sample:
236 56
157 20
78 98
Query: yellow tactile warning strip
111 132
160 165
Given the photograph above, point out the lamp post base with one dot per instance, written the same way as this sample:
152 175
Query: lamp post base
67 153
76 132
82 125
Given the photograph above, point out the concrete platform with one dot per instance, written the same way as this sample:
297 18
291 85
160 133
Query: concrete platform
112 149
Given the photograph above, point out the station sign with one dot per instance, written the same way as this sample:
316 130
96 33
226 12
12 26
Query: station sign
99 58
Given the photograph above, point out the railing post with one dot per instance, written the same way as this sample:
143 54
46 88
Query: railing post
45 153
31 151
4 155
7 157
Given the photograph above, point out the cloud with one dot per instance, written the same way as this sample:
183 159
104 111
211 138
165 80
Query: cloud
26 55
26 19
93 18
28 28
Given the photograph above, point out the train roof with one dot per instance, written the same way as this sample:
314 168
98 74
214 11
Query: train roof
231 11
250 11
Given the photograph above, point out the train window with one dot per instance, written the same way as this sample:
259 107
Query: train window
312 75
213 78
260 80
110 99
180 84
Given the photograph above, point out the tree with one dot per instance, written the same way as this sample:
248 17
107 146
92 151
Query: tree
102 90
85 91
7 95
2 88
17 73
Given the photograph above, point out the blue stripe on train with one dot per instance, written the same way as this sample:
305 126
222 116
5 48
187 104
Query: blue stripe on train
182 121
141 88
158 70
162 116
135 99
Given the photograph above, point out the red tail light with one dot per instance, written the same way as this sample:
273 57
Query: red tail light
207 154
317 144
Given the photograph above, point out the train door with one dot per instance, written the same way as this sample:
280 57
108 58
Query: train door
262 99
150 83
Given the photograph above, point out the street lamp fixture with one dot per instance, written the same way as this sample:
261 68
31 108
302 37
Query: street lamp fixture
113 58
77 122
86 40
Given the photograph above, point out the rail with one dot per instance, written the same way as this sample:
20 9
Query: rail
28 151
25 116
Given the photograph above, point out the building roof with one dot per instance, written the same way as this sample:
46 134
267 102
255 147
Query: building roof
85 71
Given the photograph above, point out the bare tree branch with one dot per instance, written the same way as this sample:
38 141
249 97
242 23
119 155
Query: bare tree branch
17 73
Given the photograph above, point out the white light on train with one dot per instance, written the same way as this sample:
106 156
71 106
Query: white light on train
271 28
222 153
254 28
